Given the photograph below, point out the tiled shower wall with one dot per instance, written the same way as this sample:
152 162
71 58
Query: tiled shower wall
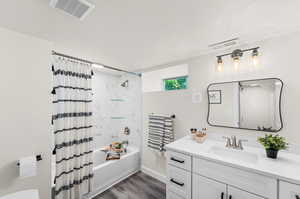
116 107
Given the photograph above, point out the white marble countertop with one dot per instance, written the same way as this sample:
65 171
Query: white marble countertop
286 167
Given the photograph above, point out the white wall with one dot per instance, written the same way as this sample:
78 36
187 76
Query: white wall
279 59
25 107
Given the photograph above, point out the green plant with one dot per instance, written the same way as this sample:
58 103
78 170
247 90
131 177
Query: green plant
273 142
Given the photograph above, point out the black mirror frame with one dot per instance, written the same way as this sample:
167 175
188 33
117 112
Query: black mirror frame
280 113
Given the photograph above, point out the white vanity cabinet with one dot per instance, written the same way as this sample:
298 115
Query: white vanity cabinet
191 177
197 172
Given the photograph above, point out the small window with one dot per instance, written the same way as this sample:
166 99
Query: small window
177 83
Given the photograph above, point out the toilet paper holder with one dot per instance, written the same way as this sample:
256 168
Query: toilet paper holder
38 158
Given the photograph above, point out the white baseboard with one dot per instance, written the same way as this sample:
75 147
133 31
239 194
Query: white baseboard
154 174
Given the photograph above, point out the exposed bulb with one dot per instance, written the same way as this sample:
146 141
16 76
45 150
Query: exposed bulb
255 58
220 67
236 63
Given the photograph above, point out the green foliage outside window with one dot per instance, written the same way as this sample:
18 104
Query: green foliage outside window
177 83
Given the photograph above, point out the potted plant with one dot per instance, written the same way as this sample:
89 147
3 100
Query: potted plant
272 144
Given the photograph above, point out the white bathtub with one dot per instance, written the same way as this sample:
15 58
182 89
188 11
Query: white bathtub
108 173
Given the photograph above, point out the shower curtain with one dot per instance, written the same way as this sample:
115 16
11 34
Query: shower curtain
72 124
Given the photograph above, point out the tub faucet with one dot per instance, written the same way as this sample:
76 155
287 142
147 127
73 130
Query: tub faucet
125 144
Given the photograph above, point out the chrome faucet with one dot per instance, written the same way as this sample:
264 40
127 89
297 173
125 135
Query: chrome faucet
228 142
233 143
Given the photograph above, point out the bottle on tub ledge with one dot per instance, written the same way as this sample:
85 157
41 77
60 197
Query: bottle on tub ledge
199 136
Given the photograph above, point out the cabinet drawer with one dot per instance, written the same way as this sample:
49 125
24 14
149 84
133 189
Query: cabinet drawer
171 195
179 181
288 190
248 181
179 160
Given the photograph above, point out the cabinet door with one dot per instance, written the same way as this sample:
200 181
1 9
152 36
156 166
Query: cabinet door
234 193
289 190
204 188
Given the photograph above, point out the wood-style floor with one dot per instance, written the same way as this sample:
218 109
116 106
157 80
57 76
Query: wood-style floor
138 186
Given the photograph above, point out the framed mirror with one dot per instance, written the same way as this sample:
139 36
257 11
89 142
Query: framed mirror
249 104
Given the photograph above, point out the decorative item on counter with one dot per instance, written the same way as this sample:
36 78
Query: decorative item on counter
272 144
200 137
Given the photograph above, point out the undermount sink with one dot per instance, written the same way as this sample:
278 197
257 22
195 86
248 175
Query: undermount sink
234 154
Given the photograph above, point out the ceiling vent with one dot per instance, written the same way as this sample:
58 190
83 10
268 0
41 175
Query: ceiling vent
77 8
224 44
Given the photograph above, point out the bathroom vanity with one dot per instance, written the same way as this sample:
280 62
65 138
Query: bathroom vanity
212 171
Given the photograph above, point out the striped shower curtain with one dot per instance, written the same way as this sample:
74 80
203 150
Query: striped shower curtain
72 124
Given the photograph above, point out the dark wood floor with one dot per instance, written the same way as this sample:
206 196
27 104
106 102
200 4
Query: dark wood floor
138 186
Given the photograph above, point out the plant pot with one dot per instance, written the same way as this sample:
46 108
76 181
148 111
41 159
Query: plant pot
272 153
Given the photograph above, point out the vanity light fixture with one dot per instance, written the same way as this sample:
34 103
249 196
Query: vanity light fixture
236 56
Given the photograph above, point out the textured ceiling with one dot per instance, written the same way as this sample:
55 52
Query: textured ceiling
135 34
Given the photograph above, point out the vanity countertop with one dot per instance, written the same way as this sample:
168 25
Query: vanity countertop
286 167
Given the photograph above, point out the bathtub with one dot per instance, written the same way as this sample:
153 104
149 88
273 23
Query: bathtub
108 173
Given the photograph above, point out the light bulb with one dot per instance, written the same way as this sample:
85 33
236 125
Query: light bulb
236 55
220 64
236 63
220 67
255 58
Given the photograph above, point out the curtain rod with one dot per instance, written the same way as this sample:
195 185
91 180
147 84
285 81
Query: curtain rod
90 62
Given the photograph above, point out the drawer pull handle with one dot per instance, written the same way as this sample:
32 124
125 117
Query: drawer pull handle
222 195
178 183
297 197
180 161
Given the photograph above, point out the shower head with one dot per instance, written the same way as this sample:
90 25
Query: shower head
125 84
